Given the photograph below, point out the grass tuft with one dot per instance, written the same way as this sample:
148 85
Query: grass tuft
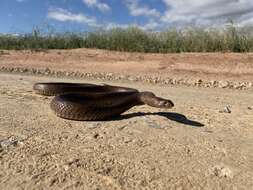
133 39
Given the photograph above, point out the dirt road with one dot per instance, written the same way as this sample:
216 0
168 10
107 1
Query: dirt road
232 67
195 145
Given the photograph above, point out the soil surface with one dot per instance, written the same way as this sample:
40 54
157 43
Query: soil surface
204 66
196 145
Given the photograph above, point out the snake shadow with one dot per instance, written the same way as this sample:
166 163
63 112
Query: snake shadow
180 118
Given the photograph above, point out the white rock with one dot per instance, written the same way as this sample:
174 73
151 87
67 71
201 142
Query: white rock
223 84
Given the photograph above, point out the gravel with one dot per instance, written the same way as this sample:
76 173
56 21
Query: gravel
145 79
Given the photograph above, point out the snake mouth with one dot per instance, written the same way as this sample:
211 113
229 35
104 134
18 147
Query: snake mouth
166 104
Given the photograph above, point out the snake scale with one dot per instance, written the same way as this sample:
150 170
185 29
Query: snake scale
90 102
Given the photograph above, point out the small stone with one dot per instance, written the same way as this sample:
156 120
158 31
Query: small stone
88 74
213 83
222 171
96 135
109 75
133 79
60 73
180 81
66 167
154 81
243 84
237 85
198 82
122 77
16 69
226 109
47 71
223 84
11 142
174 81
168 81
207 85
250 107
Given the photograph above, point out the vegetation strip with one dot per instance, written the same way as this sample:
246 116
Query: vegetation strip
133 39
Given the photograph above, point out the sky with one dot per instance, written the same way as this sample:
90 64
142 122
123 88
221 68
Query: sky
21 16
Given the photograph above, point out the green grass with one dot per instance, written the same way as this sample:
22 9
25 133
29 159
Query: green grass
132 39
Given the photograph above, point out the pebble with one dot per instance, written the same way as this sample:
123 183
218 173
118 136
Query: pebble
223 84
168 81
222 171
10 142
226 109
198 82
133 79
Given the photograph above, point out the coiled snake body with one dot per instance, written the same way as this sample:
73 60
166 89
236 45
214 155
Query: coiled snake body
79 101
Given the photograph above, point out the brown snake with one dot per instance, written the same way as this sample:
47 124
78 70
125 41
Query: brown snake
90 102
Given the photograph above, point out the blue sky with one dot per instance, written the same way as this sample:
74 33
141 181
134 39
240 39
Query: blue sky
20 16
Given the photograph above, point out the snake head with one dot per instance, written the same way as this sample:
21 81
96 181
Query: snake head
151 99
163 103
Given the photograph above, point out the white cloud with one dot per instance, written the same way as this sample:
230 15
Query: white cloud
112 25
179 13
141 10
20 1
246 22
151 25
97 4
207 12
63 15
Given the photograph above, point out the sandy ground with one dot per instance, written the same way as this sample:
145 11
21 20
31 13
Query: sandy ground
192 146
204 66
